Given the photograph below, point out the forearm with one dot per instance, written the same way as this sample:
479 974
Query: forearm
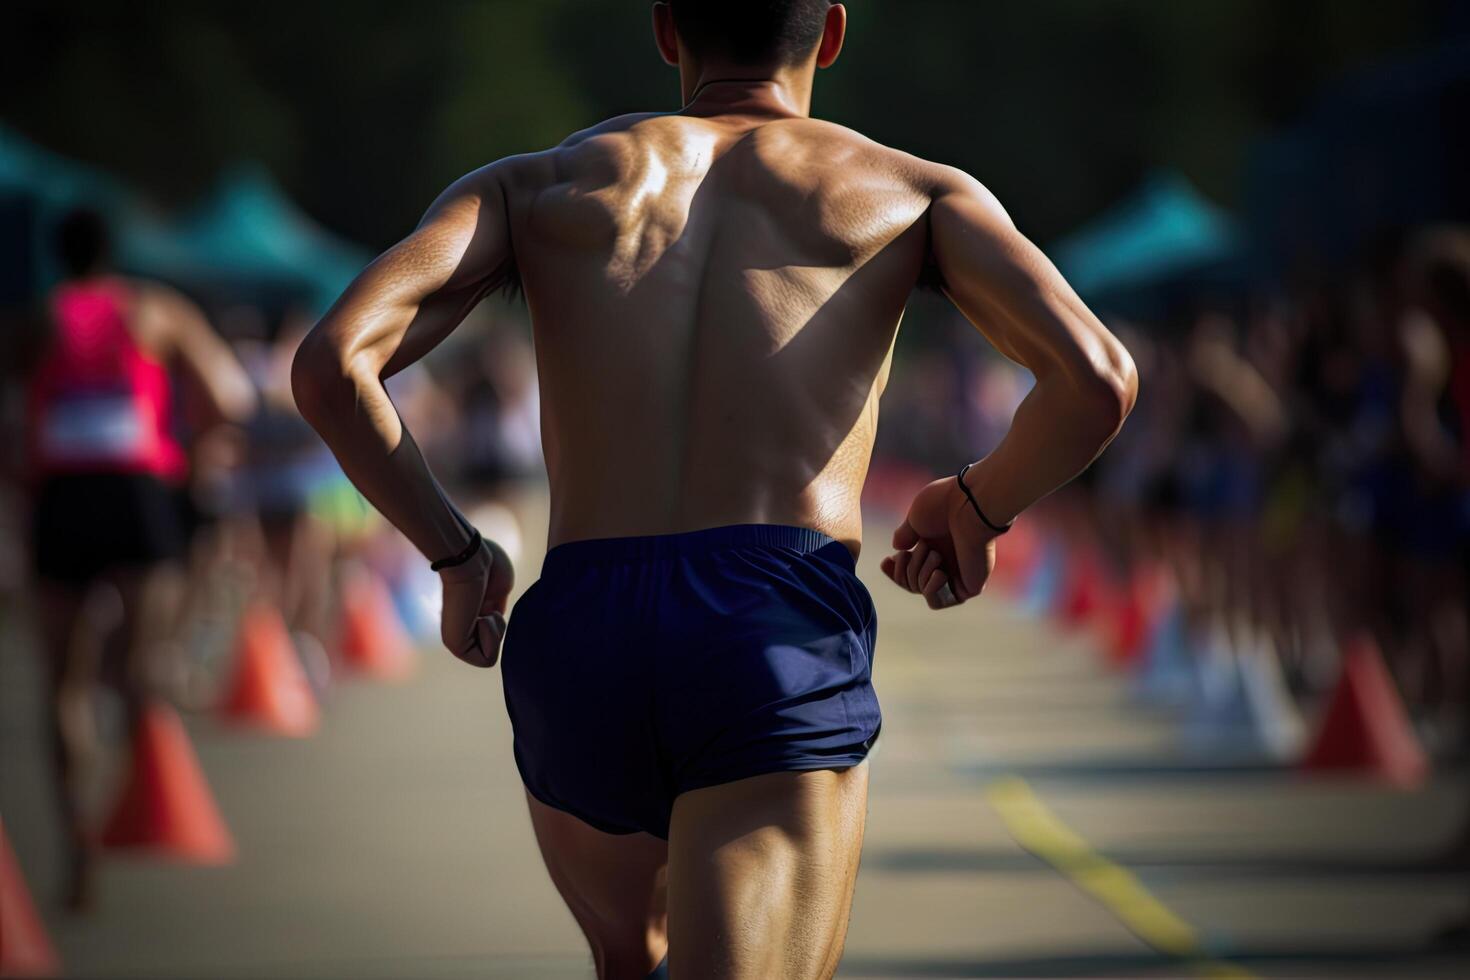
1057 431
358 422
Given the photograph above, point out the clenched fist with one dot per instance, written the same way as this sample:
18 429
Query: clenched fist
475 594
944 552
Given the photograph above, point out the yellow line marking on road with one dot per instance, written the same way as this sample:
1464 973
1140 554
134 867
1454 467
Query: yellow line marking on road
1037 829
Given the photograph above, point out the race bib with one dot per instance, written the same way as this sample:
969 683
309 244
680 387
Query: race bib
93 428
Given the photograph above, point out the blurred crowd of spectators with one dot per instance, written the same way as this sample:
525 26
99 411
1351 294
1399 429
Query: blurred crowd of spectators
1299 456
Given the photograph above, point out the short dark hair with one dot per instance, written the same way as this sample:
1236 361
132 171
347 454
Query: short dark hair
751 31
83 242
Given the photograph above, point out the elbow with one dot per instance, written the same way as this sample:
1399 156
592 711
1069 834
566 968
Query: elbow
1111 388
1124 382
319 375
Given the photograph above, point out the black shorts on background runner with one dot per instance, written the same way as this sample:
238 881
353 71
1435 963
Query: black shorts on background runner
87 524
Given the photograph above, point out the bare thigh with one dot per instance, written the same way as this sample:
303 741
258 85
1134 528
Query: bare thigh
615 886
761 875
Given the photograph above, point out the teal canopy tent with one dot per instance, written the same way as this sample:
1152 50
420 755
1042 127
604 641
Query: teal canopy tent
1164 231
252 229
28 169
246 240
37 188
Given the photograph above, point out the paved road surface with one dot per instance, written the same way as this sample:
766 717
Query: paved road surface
396 844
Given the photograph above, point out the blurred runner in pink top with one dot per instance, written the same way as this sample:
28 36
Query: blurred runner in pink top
107 478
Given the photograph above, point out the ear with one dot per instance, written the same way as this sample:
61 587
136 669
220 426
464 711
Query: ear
664 35
832 35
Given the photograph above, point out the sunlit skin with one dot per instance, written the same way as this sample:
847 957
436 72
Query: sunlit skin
715 295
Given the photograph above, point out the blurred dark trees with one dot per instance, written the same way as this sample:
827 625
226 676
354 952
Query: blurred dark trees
364 111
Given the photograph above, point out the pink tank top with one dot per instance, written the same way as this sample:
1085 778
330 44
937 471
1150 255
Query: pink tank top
98 403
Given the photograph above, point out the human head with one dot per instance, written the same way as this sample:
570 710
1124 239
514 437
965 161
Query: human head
750 34
83 243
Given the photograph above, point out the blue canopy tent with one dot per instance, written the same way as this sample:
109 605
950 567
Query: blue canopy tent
1164 234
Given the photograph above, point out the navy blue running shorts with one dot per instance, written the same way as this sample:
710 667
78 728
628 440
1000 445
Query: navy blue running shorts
637 668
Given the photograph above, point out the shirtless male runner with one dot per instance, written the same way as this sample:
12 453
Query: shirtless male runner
715 294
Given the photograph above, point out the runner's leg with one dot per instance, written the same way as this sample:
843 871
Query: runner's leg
73 653
615 886
761 875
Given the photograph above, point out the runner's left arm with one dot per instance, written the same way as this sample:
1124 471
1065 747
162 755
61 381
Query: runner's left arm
397 310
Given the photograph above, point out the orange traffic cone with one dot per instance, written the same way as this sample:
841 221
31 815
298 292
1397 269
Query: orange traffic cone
1366 727
373 639
270 690
25 949
167 806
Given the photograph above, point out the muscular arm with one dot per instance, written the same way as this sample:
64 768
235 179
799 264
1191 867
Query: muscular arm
398 309
1085 380
1085 387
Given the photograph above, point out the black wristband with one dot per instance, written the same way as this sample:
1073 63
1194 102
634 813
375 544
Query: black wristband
459 559
997 528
